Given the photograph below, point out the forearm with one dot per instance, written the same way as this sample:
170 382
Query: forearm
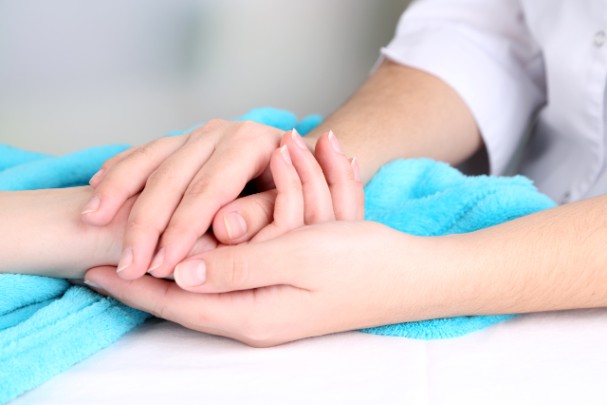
402 112
551 260
41 233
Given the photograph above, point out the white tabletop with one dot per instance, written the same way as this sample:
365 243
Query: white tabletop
555 358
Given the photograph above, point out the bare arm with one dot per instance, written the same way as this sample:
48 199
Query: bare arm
551 260
292 286
189 182
402 112
41 232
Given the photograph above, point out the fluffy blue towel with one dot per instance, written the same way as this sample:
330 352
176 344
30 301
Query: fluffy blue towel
47 325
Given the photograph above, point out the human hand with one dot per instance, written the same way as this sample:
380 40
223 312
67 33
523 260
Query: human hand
312 281
285 287
184 181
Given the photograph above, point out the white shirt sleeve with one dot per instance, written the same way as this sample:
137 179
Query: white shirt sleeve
484 50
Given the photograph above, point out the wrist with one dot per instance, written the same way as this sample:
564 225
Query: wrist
436 278
44 235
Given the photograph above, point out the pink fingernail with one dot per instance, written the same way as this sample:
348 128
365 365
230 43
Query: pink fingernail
92 205
355 169
126 260
284 152
234 222
334 143
96 177
298 139
157 261
191 273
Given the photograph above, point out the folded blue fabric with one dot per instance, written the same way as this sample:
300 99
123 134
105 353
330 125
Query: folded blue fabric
48 325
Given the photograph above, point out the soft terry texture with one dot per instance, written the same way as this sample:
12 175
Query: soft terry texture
48 325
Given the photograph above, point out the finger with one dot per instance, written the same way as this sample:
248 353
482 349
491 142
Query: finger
204 244
155 205
343 178
107 165
318 206
126 178
289 206
163 299
240 315
218 183
243 218
235 268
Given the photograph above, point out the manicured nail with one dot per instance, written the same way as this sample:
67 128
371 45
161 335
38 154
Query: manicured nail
96 177
284 152
334 143
355 169
92 205
126 260
298 139
191 273
157 261
235 224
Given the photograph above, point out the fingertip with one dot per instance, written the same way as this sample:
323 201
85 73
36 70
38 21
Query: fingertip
100 277
98 211
256 211
191 274
97 177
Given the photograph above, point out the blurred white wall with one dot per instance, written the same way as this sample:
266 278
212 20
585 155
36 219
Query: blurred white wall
79 73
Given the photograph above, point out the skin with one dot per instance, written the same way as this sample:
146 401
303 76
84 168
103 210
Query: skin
340 275
36 224
184 181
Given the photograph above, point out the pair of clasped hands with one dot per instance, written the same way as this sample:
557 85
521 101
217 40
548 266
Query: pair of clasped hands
293 260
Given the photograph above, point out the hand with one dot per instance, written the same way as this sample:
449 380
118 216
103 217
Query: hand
284 286
184 181
312 281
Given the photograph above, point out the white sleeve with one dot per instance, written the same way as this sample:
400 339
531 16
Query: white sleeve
484 50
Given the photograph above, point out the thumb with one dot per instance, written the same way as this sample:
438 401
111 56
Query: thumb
241 219
233 268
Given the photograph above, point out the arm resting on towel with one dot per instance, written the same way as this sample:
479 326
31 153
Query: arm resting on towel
41 233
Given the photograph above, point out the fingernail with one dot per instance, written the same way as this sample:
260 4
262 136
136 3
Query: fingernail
298 139
93 181
191 273
334 143
355 169
126 260
92 205
284 152
157 261
235 224
93 285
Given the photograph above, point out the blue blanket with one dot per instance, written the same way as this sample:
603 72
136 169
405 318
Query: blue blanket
48 325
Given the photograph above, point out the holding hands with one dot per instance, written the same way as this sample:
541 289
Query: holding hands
184 181
285 283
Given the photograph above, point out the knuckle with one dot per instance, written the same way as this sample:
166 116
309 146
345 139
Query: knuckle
207 186
197 187
140 152
139 224
238 273
162 309
211 125
264 208
181 232
161 177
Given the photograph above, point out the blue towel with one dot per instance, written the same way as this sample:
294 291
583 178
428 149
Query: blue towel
48 325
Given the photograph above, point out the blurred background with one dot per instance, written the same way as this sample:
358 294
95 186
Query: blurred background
81 73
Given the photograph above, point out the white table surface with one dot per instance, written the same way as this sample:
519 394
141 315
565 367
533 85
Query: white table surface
549 358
